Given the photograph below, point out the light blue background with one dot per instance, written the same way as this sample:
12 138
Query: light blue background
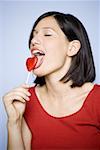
16 21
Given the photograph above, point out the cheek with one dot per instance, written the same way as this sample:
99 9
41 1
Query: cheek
56 53
50 64
54 59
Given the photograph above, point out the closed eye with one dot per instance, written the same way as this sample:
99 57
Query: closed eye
47 35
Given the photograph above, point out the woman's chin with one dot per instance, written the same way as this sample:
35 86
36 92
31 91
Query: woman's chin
38 73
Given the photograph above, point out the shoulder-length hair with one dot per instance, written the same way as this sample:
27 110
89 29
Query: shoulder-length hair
82 67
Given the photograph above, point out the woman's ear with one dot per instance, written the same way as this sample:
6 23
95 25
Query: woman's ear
73 48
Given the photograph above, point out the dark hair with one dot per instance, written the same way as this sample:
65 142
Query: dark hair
82 67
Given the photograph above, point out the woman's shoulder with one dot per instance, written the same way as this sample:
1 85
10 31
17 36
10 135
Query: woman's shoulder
95 96
98 86
96 101
97 90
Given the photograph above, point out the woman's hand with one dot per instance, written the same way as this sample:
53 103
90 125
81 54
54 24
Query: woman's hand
15 102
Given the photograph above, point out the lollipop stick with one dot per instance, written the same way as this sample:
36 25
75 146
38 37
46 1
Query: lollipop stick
28 77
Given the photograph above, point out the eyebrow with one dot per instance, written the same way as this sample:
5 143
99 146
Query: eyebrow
45 28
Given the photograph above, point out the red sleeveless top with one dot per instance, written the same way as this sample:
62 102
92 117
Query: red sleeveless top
79 131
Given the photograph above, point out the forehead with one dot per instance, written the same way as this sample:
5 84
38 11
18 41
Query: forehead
48 22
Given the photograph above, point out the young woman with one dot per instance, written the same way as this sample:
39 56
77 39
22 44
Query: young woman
62 111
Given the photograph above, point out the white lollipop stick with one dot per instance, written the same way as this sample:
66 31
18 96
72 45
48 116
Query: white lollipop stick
27 79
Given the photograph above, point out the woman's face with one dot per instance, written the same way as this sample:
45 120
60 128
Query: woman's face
49 39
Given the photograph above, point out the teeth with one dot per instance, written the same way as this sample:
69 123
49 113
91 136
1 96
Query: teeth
35 51
38 53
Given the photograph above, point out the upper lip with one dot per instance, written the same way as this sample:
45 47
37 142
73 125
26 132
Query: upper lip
37 51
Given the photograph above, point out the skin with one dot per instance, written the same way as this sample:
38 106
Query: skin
17 128
59 50
55 97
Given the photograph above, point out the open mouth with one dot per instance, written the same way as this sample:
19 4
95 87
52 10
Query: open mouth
40 55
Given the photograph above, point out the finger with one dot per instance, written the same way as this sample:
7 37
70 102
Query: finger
21 94
12 98
25 86
25 91
32 85
19 98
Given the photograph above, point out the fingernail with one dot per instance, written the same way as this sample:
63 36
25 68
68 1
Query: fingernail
29 94
28 99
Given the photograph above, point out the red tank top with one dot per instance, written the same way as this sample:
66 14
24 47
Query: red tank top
79 131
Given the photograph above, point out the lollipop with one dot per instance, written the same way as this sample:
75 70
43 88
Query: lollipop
30 64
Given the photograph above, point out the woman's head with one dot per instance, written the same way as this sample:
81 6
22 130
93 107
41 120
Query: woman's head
82 67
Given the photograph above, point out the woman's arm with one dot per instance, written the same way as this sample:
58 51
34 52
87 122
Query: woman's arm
26 134
15 102
15 139
19 136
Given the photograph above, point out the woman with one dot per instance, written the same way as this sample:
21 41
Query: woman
62 110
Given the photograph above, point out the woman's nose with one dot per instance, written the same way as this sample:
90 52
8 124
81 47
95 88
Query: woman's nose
35 40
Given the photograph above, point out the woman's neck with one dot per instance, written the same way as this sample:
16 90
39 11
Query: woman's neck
53 84
57 88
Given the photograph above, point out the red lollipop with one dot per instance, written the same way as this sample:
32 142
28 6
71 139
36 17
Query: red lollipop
31 63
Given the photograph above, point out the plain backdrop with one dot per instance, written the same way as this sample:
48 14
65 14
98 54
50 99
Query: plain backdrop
16 21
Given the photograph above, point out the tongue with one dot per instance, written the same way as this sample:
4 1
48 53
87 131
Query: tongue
39 62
